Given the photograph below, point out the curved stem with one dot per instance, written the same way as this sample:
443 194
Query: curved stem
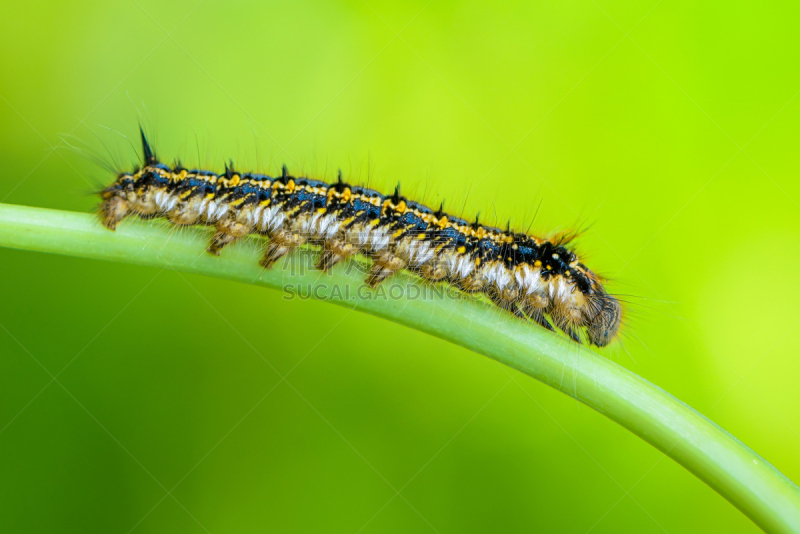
740 475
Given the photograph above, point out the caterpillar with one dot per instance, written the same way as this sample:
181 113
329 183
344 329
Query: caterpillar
535 279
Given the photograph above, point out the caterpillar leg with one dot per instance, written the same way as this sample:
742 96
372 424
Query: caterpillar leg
183 216
567 325
535 306
536 314
384 265
113 210
573 335
334 251
470 284
508 305
227 232
433 272
280 244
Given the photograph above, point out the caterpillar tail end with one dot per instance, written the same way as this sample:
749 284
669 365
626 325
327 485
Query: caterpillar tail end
112 211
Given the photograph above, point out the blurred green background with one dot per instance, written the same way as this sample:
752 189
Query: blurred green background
671 126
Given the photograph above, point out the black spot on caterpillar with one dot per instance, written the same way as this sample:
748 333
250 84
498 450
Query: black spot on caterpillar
533 278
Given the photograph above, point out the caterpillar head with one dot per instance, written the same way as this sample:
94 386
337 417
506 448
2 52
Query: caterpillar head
604 325
594 309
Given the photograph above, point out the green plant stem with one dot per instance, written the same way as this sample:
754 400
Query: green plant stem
740 475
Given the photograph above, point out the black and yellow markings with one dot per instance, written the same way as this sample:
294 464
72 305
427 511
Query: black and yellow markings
393 215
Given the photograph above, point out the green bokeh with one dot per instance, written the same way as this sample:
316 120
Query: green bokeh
671 127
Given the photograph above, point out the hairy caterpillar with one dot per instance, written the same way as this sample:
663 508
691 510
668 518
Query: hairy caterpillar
533 278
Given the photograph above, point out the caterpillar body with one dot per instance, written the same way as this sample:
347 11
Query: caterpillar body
533 278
